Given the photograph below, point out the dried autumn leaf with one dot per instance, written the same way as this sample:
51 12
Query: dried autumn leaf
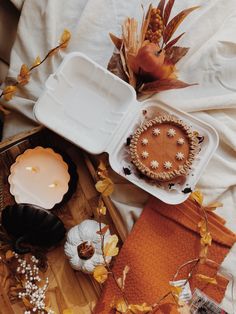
206 279
140 308
121 281
173 42
175 22
110 248
100 273
206 239
65 38
24 76
175 53
103 230
105 186
115 66
102 210
167 11
176 290
212 206
203 253
120 305
9 92
9 254
116 41
202 225
197 197
36 62
161 6
162 85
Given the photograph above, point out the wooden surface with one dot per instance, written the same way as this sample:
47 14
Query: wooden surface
68 288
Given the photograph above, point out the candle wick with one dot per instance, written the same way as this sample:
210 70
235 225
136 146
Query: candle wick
32 169
53 185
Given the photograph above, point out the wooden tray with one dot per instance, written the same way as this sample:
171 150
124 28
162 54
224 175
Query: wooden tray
68 288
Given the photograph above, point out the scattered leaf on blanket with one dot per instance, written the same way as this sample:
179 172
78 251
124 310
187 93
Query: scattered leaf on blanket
105 186
36 62
24 76
162 85
197 197
65 38
100 273
110 248
175 22
103 230
203 254
9 254
140 308
206 239
9 92
121 281
167 11
120 305
206 279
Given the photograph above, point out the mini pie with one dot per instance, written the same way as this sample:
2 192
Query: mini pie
163 148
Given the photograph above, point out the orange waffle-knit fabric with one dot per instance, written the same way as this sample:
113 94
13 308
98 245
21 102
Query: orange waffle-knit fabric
164 238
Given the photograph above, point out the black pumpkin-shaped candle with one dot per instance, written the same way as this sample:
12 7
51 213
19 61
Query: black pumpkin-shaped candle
33 225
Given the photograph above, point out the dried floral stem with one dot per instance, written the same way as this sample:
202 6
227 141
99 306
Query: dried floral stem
108 266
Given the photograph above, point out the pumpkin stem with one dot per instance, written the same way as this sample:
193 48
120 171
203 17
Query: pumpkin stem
85 250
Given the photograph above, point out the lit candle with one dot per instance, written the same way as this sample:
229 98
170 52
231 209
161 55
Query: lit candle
39 176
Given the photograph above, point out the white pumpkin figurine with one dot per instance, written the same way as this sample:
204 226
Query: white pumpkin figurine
83 246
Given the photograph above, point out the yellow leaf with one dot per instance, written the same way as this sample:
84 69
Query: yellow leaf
213 206
9 92
206 239
68 311
206 279
105 186
36 62
110 248
203 253
9 254
120 306
65 38
196 196
100 273
140 308
102 210
24 76
176 290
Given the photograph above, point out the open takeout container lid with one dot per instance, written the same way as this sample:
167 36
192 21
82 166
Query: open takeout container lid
96 110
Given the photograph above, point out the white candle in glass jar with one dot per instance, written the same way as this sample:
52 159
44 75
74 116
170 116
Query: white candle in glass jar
39 176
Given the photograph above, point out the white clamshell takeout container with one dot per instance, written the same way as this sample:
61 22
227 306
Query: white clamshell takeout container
91 107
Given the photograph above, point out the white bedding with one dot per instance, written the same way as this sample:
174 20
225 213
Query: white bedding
211 62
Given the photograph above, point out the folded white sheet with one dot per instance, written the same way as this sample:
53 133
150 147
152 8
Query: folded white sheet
211 62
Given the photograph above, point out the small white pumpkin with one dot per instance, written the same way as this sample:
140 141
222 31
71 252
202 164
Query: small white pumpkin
83 246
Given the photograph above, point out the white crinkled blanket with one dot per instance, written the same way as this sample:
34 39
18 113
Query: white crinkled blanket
211 62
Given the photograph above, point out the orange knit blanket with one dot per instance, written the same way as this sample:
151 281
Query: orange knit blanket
164 238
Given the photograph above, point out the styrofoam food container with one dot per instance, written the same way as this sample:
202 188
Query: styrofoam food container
94 109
